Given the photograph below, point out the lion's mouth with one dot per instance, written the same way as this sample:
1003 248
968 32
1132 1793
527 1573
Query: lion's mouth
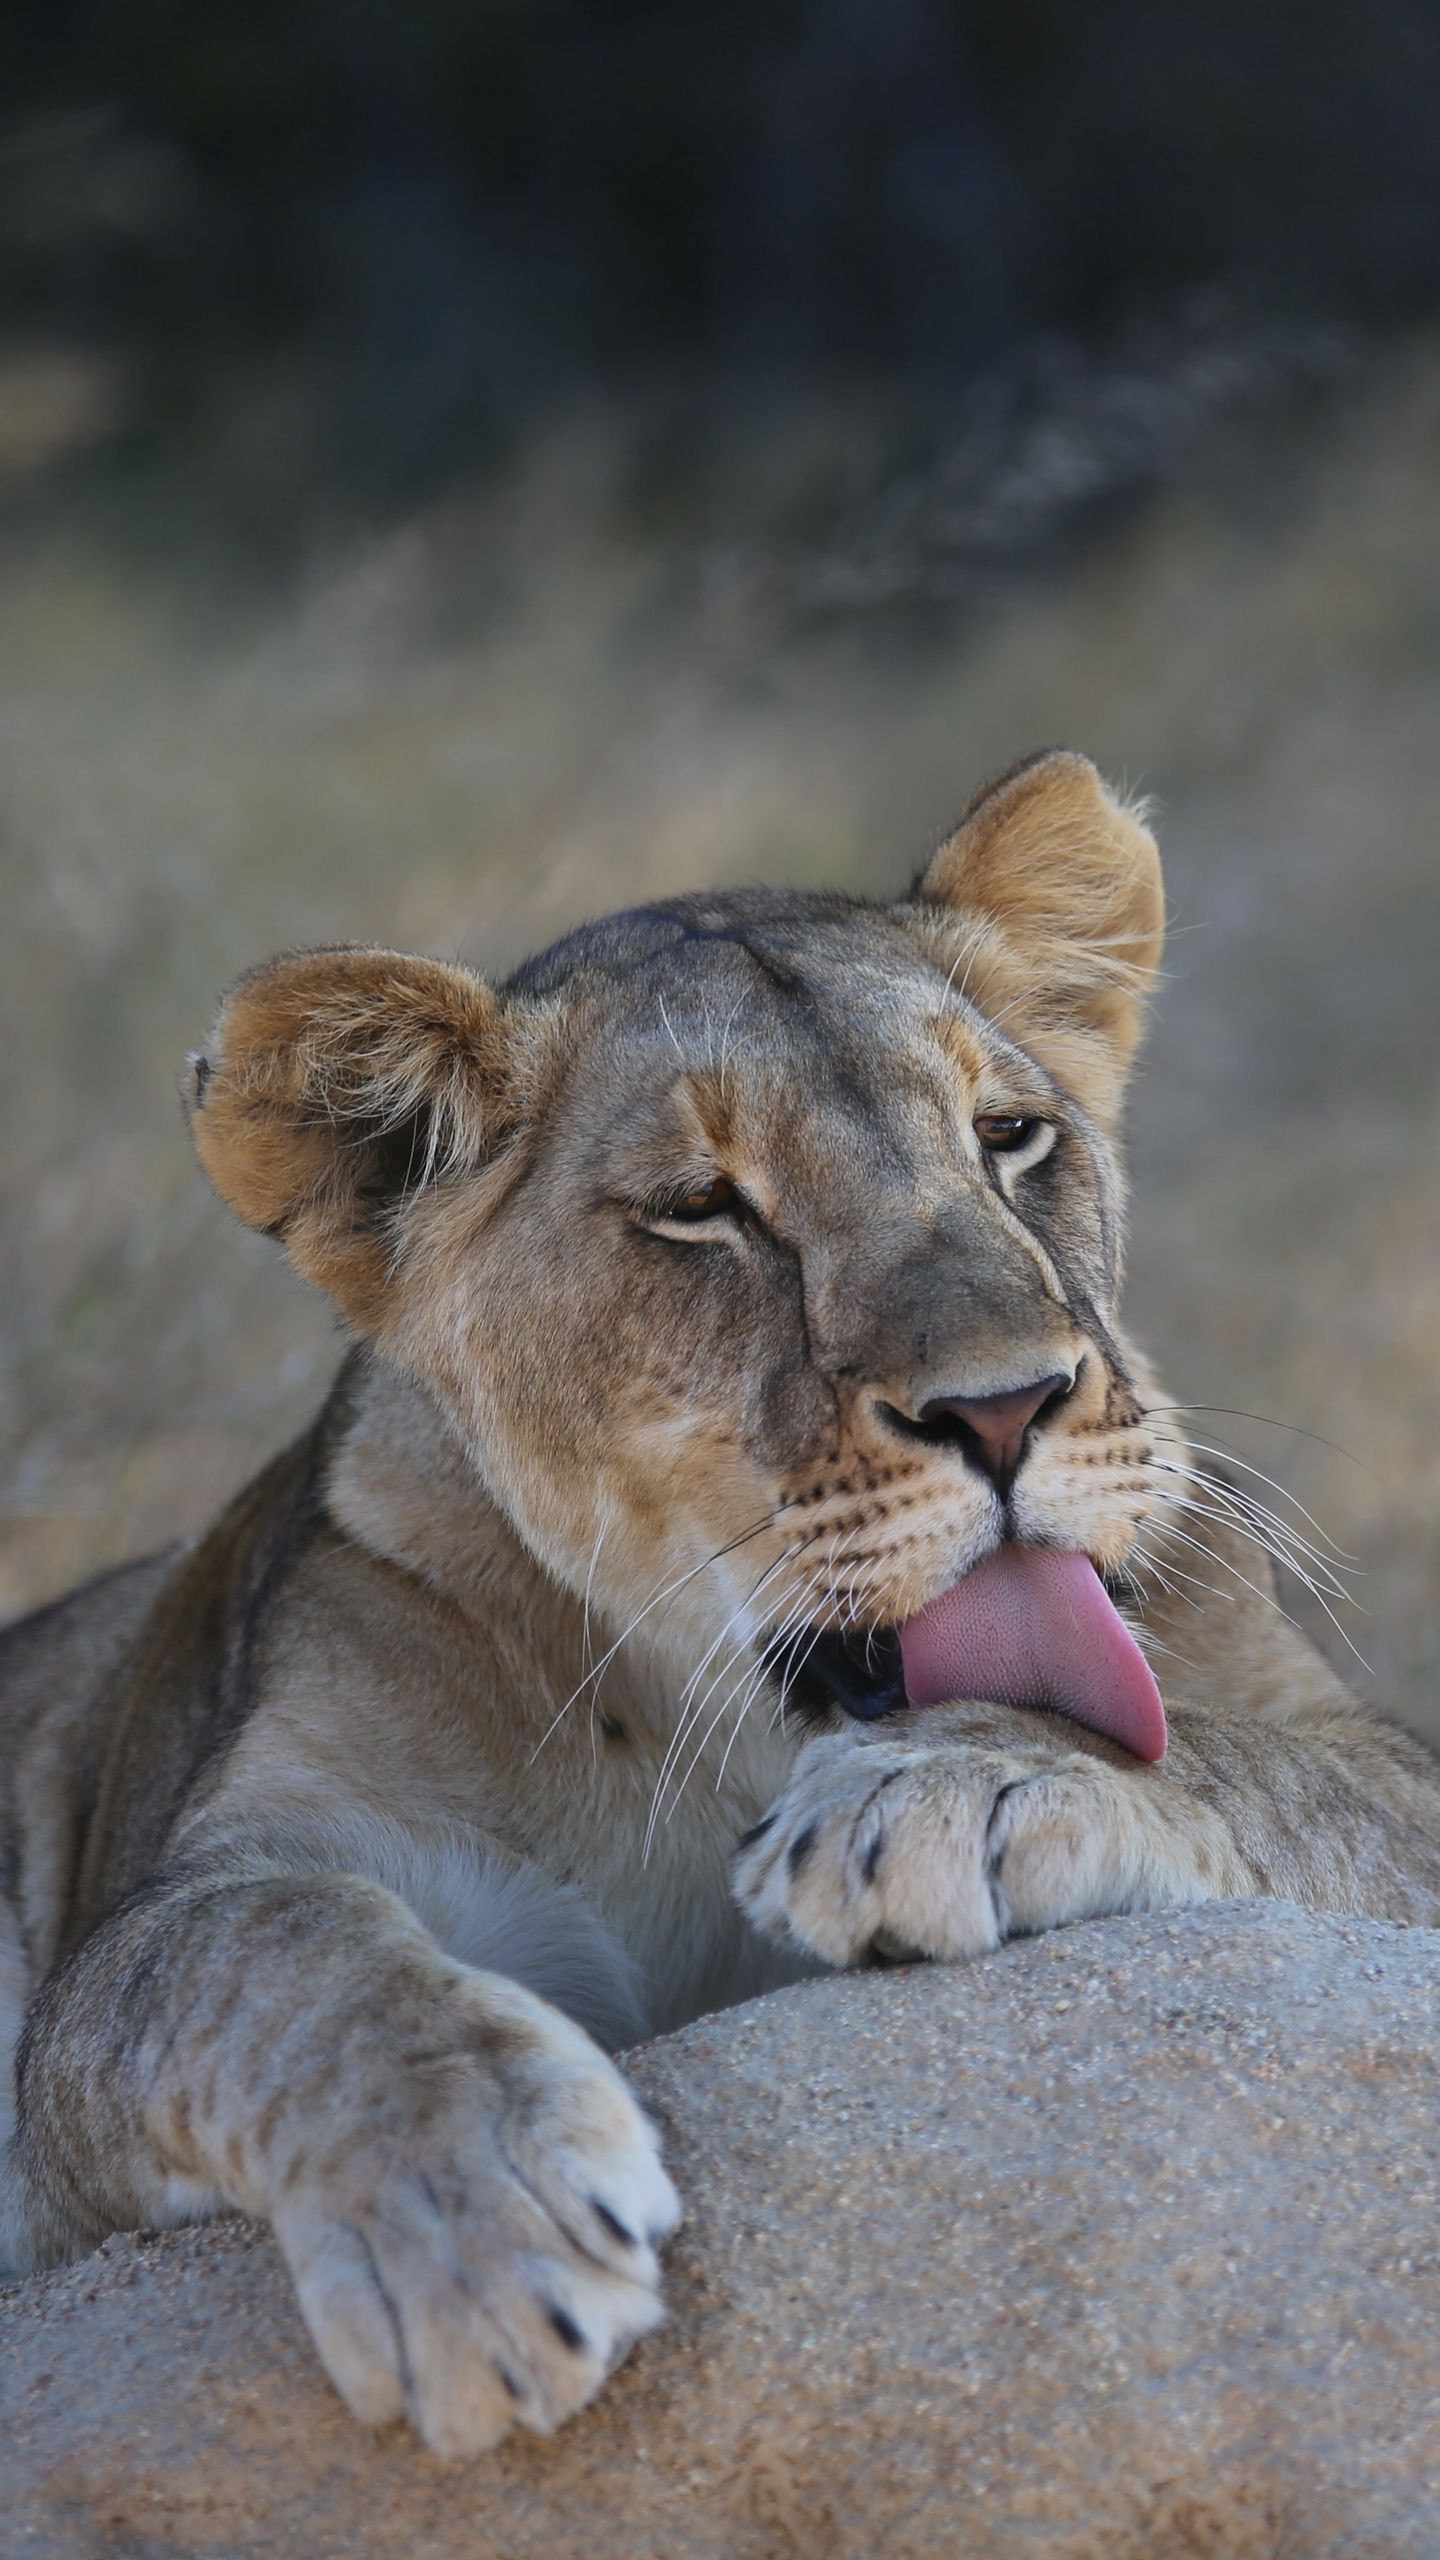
861 1673
1027 1627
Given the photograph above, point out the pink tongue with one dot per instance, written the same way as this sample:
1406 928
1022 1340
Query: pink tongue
1030 1628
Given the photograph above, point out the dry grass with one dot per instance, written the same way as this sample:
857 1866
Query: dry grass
533 703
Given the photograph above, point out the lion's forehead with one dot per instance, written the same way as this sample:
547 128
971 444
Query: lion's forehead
805 1023
771 958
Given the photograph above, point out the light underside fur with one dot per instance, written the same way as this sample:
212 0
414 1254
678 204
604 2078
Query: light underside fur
488 1909
503 1718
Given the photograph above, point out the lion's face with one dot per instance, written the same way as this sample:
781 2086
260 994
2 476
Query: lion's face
762 1249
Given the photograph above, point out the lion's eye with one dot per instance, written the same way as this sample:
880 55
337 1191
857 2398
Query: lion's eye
714 1199
1004 1133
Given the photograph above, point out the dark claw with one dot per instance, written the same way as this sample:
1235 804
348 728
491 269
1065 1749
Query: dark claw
801 1848
885 1950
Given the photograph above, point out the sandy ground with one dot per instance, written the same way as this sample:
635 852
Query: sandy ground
1120 2243
579 688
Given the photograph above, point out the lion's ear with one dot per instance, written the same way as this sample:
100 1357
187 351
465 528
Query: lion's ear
337 1084
1055 886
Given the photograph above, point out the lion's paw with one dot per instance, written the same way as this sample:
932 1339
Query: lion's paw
885 1854
485 2256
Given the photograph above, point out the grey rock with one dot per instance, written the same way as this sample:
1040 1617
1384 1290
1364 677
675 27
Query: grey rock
1123 2244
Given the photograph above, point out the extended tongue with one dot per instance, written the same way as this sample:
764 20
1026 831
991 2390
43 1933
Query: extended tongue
1032 1628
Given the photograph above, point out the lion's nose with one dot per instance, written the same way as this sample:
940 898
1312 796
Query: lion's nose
992 1428
989 1429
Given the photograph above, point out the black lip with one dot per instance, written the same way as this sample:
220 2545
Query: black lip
860 1673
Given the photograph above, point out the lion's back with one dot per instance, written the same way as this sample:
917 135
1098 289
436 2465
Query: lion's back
53 1661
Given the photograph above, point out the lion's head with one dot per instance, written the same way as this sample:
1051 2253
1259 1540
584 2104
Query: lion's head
761 1249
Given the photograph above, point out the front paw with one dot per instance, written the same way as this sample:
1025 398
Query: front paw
479 2251
877 1852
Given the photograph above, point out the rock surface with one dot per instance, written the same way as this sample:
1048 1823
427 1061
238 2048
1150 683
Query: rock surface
1123 2244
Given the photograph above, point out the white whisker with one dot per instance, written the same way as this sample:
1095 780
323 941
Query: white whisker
688 1716
1256 1520
750 1676
671 1589
1225 1515
1228 1457
1169 1529
586 1649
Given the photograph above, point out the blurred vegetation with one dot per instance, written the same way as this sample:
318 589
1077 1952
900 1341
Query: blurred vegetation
466 465
421 220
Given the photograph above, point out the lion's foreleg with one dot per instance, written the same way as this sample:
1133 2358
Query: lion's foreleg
947 1832
468 2197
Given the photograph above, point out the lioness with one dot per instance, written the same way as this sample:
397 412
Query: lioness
742 1540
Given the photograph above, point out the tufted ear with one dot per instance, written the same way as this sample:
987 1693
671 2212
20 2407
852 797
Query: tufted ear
337 1084
1050 888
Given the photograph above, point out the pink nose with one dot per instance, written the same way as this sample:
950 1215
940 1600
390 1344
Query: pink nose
991 1429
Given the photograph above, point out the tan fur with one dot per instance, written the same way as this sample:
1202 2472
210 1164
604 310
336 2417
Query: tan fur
1059 885
331 1056
367 1820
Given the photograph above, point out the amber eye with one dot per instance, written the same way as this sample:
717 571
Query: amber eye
713 1199
1004 1133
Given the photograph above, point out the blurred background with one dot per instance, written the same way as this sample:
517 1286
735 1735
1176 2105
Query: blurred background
468 463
